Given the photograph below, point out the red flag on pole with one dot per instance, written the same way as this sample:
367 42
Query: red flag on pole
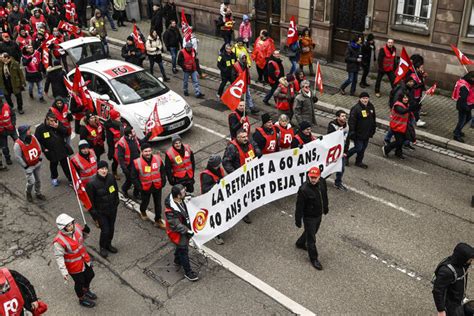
461 57
404 66
153 124
138 39
232 96
45 57
185 28
79 187
431 90
318 79
292 36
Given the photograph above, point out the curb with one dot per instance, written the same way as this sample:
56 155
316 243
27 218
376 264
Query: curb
443 142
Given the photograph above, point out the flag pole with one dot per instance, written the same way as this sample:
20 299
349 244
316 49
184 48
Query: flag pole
75 191
246 86
465 68
315 79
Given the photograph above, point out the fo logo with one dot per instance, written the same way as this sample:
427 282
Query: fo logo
200 220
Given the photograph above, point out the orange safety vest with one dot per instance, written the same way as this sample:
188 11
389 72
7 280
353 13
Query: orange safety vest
277 71
149 174
399 122
62 117
457 88
31 152
282 104
76 253
286 136
271 141
214 177
244 156
87 168
6 118
124 144
189 64
94 136
245 124
181 166
300 140
11 302
388 62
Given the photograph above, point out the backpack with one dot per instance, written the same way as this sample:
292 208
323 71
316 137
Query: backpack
445 262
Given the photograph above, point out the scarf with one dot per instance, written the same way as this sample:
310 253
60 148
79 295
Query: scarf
6 71
308 95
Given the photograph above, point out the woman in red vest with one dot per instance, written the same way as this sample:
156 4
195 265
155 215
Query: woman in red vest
285 132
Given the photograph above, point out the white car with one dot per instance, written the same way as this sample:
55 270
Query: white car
130 89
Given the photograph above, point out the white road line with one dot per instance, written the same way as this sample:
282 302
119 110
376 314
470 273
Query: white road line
399 165
394 266
233 268
211 131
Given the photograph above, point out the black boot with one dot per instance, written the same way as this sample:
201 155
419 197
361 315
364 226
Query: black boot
86 302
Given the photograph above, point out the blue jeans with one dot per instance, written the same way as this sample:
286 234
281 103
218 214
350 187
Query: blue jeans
39 84
340 174
352 80
248 100
463 118
174 53
293 66
194 79
359 148
105 13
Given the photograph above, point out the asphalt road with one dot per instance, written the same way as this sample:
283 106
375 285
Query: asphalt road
379 244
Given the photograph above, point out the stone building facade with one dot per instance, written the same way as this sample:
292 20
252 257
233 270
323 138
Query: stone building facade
427 27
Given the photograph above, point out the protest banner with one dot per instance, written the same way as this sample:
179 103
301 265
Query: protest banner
259 182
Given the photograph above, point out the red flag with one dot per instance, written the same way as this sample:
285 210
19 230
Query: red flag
185 28
45 57
431 90
461 57
70 29
404 66
153 124
318 79
292 36
138 39
77 81
232 96
79 187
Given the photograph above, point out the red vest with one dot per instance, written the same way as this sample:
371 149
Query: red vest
282 104
399 122
94 136
214 177
388 62
286 136
277 71
189 64
149 174
123 143
271 141
181 166
31 152
87 168
70 12
300 140
416 91
75 251
244 156
116 134
245 125
11 303
36 22
6 118
62 117
457 88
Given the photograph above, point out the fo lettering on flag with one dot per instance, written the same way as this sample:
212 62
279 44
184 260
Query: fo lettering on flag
79 187
137 38
292 36
318 79
461 57
232 96
404 66
185 28
153 125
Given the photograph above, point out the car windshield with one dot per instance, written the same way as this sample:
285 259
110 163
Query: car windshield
138 86
87 52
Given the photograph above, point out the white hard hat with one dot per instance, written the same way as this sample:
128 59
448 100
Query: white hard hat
63 220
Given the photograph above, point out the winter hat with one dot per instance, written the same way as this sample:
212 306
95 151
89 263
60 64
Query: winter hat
175 138
102 164
145 146
245 17
83 143
363 95
114 114
176 190
370 37
188 45
130 38
214 161
22 129
265 118
290 77
304 125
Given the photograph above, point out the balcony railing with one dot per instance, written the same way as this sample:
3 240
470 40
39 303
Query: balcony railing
412 20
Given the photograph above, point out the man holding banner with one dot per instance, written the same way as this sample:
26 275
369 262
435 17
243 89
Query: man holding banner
311 204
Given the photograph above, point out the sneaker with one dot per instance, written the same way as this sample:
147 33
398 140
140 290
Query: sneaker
254 110
341 187
459 139
86 302
41 197
8 161
361 165
409 146
378 95
186 93
200 96
191 276
160 223
384 151
420 123
29 197
55 182
103 253
21 111
90 295
112 249
317 265
247 219
218 240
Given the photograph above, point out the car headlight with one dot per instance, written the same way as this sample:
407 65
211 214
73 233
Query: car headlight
141 120
187 109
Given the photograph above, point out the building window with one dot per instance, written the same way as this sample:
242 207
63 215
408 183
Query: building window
470 28
414 13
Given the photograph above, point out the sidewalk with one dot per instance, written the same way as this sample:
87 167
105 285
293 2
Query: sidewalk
441 118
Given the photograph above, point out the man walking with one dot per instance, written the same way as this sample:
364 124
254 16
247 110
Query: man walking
179 164
7 129
387 57
187 60
311 204
173 42
225 63
275 72
12 81
103 193
340 124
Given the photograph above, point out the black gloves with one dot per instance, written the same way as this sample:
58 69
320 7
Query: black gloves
86 229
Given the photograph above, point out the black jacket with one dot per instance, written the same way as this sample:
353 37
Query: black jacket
169 13
306 139
137 56
172 38
134 153
109 136
207 182
234 123
231 158
26 288
12 48
271 69
13 18
334 126
367 50
225 63
52 141
362 122
134 176
54 77
103 193
461 103
448 292
157 22
352 53
311 200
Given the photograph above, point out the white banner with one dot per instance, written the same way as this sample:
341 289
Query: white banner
259 182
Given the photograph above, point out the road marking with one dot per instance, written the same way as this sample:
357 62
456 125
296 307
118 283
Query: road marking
394 266
399 165
211 131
